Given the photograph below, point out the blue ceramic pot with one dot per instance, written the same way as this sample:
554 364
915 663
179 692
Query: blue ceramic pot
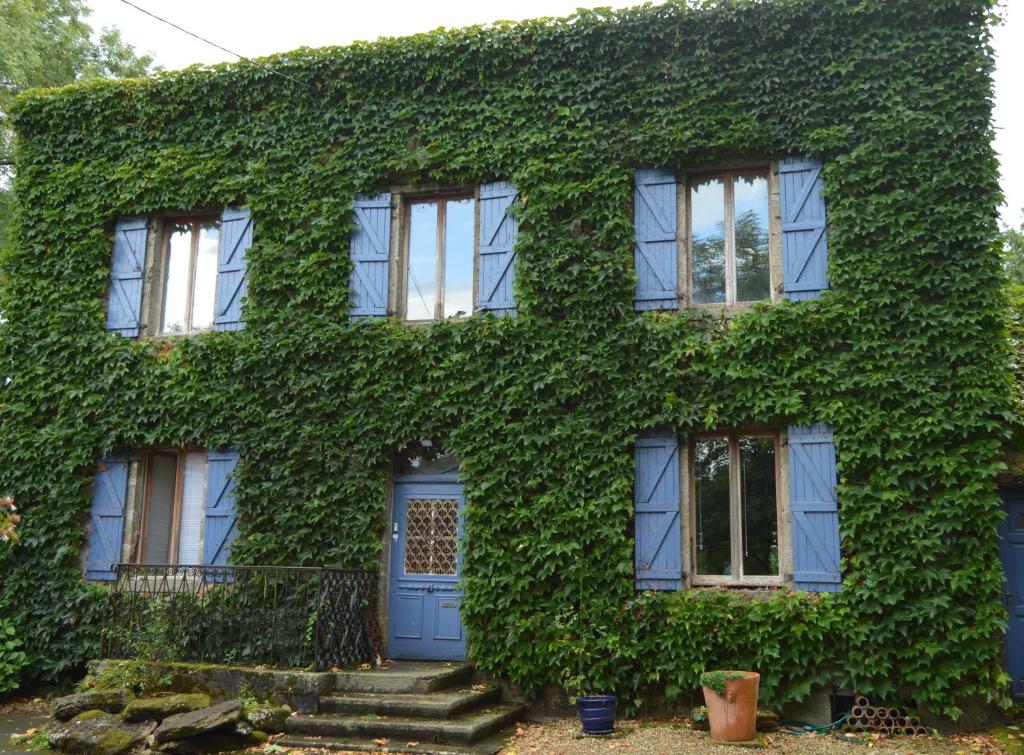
597 713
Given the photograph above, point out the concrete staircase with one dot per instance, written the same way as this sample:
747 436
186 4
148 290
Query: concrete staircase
410 708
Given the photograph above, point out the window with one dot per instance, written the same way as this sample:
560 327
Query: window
174 507
189 269
729 237
438 279
735 506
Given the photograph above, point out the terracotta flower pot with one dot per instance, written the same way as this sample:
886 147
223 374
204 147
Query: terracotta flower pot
733 718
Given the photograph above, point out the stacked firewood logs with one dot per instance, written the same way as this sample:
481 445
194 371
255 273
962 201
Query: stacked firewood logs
865 717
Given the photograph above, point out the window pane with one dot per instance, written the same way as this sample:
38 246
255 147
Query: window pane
757 504
707 225
458 257
206 276
160 508
193 504
420 288
751 198
712 493
179 252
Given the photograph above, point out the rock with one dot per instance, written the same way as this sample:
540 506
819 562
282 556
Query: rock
259 737
243 728
98 733
164 706
197 722
110 701
267 718
228 742
767 720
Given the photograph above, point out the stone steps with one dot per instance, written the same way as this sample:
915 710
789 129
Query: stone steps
464 728
407 707
490 746
403 677
438 704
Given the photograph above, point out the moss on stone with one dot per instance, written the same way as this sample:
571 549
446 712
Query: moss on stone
115 743
88 715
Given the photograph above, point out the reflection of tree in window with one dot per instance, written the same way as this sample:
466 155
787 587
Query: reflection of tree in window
707 224
727 544
712 493
758 507
750 234
729 239
752 280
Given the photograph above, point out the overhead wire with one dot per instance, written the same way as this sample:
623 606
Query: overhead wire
214 44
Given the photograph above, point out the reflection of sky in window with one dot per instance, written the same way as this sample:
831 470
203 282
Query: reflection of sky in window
707 226
206 276
178 264
179 250
420 293
458 263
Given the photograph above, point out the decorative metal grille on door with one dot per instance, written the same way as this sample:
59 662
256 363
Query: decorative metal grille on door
431 535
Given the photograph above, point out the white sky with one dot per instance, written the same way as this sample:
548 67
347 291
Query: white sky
260 27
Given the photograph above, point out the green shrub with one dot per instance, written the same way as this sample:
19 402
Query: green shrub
12 658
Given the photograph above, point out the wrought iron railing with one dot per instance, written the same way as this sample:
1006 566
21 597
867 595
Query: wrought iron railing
283 616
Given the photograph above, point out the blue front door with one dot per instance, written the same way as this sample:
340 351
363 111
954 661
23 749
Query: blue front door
423 607
1011 544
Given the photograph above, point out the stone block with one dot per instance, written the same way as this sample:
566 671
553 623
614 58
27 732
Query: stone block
98 733
200 722
267 718
164 706
109 701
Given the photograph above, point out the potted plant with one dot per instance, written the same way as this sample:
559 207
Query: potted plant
731 697
596 712
580 640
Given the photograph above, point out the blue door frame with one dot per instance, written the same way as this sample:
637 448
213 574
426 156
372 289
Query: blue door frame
1011 550
423 606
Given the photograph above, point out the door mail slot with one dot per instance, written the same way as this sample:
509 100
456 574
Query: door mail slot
449 604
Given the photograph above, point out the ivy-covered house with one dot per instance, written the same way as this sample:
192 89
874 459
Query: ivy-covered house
620 346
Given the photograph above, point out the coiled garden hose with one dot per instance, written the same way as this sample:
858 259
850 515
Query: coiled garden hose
802 727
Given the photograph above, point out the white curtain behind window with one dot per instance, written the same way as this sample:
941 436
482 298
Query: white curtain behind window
193 504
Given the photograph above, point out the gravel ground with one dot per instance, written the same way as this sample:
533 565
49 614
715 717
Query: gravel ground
563 737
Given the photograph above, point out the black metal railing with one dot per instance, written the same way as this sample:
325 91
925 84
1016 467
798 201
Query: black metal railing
283 616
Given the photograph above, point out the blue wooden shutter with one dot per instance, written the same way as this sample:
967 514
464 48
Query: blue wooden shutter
815 509
109 491
124 302
658 542
804 236
220 527
498 229
655 255
232 278
371 246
